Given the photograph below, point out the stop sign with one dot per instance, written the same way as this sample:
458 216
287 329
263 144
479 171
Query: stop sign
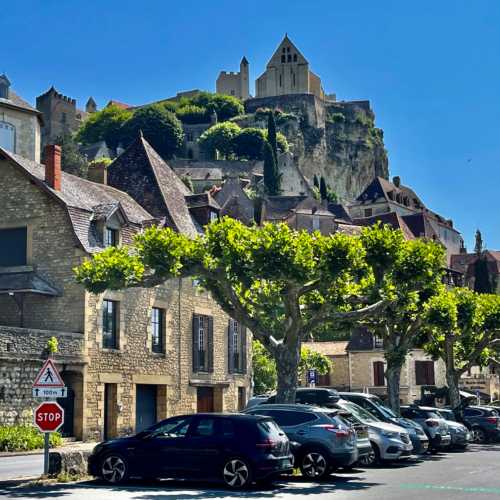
49 416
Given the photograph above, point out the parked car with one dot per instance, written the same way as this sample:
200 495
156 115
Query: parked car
257 400
317 396
374 405
460 435
483 422
326 440
388 441
233 448
433 424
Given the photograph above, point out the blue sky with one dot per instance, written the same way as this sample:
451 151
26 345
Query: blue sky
430 69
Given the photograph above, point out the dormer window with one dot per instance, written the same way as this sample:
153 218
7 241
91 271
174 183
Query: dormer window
7 136
213 216
110 237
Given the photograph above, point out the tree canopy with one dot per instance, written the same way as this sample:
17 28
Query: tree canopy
160 127
105 125
278 282
219 138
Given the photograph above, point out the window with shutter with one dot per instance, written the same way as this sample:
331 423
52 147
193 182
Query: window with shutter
203 343
378 373
424 372
237 352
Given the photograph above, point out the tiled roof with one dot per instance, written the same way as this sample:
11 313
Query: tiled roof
332 348
420 226
201 200
96 151
121 105
81 197
391 218
28 282
199 174
17 102
280 207
140 155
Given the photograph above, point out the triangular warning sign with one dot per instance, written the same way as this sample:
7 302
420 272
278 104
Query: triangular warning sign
48 376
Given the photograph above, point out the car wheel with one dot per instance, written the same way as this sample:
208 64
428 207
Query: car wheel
236 473
314 464
479 436
373 458
114 469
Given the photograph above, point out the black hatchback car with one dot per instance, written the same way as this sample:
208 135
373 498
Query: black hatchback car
235 449
484 423
316 396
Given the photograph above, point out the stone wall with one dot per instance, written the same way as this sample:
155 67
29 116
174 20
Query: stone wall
52 253
27 134
22 353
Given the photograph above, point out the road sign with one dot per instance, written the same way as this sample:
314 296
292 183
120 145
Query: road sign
49 392
312 376
48 376
49 416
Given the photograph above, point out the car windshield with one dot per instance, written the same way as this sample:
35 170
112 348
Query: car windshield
447 415
387 412
360 413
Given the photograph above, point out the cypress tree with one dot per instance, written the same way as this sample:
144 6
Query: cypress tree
271 175
271 134
482 280
316 181
323 190
478 248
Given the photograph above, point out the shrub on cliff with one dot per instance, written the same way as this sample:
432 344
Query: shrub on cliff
225 106
192 114
160 128
219 138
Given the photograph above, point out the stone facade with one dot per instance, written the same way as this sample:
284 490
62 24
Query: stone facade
235 83
105 384
287 72
19 123
60 114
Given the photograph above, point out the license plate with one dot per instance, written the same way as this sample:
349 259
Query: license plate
285 463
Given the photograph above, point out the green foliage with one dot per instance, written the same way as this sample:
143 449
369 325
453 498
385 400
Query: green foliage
104 125
312 360
249 143
101 161
316 181
192 114
322 188
264 367
271 135
483 281
281 142
280 283
186 179
72 161
219 138
225 106
160 128
272 177
52 345
478 247
335 117
25 438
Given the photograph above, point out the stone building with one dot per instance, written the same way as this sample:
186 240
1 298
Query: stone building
359 366
20 123
235 83
287 72
60 114
131 357
382 198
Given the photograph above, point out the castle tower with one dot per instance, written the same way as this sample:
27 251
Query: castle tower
287 72
244 79
235 83
91 106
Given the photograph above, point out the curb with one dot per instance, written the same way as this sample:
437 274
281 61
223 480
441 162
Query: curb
21 453
17 481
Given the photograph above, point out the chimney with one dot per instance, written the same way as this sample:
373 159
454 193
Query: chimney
396 181
53 166
98 172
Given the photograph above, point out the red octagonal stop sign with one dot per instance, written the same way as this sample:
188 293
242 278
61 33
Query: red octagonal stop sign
49 416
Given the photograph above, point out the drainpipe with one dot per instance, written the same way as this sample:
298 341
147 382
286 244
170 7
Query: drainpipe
179 343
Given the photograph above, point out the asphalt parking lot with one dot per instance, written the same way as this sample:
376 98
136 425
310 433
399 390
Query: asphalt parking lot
445 476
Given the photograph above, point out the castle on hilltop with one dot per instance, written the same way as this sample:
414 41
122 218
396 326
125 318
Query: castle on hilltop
287 72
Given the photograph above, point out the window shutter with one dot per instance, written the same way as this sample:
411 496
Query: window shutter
243 342
419 373
378 373
210 343
430 373
230 344
196 345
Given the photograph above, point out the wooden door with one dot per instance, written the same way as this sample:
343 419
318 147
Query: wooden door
205 399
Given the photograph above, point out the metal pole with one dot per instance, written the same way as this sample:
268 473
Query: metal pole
46 454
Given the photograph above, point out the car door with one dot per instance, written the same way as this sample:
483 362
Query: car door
204 446
162 450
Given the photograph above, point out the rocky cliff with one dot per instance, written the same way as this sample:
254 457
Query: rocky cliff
337 140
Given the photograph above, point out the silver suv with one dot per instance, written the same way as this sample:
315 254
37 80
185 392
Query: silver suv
389 441
433 424
326 440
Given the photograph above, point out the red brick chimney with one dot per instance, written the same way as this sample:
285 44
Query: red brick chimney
53 166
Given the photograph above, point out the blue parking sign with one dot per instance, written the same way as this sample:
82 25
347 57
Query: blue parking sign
312 376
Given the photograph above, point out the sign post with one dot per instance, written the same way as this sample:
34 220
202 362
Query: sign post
48 416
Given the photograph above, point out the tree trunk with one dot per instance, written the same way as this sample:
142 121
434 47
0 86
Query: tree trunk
287 366
451 373
393 376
